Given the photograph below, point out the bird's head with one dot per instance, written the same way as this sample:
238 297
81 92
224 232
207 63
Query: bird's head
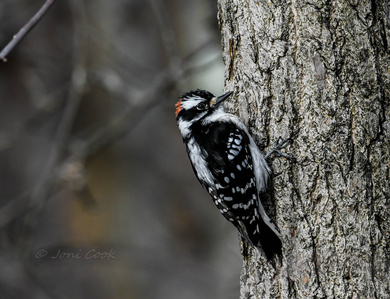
195 105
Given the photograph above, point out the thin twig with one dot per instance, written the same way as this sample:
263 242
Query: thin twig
25 30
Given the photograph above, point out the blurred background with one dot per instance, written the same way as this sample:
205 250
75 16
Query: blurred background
97 196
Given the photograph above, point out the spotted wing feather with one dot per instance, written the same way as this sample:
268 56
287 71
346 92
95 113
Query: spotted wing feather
234 189
235 192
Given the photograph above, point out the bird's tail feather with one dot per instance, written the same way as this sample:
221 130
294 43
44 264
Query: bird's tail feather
266 239
270 243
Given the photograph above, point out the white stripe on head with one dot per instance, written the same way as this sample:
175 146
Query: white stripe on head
191 103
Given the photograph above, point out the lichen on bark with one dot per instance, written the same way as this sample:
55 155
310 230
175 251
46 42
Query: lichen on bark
319 73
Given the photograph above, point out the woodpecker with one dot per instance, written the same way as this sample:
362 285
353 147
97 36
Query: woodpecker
229 165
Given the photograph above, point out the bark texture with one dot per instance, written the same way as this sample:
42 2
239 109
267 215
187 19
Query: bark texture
318 72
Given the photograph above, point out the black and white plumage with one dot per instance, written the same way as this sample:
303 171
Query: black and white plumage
229 165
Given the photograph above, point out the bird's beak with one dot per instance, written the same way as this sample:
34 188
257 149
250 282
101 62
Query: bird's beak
216 101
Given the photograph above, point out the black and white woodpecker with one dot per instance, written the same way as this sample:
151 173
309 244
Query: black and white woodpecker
229 165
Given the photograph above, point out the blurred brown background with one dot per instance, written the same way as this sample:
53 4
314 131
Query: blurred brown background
98 199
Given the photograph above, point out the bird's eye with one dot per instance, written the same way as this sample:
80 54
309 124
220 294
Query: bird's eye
201 106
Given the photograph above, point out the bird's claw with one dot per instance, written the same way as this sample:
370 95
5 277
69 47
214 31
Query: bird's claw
276 150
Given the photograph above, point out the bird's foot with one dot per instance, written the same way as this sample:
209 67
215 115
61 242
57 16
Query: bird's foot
276 150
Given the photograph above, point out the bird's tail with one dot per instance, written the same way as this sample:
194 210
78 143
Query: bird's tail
270 242
265 239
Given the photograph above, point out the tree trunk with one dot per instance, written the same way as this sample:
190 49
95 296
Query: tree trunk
318 72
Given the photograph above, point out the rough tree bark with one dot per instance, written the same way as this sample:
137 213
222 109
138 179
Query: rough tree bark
318 72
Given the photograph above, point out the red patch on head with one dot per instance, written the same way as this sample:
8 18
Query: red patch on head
178 107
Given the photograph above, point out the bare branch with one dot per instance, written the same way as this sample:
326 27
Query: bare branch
25 30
